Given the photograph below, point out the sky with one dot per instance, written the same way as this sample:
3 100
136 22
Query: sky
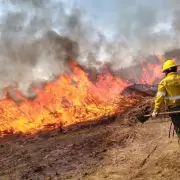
106 14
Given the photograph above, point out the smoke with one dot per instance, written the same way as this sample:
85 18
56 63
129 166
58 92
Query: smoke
140 28
145 28
31 51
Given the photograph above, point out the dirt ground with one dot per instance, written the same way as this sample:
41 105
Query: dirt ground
113 151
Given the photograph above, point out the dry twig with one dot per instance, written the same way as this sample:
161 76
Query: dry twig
145 160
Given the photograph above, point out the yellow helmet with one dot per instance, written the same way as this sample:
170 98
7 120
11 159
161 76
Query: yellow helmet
168 64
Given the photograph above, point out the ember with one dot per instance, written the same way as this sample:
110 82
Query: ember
71 99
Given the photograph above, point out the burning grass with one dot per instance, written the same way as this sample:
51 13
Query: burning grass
69 100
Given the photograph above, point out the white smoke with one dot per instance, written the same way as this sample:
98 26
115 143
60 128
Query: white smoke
142 27
28 53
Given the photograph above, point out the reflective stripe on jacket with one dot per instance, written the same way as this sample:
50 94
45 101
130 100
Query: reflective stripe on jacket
168 91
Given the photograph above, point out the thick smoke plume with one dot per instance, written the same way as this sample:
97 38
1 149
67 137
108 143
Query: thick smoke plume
30 51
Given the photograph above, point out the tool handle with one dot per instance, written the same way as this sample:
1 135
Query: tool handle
164 113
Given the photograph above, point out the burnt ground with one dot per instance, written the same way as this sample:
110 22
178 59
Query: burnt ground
119 150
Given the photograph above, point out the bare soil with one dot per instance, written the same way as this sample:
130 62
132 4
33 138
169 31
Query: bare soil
120 150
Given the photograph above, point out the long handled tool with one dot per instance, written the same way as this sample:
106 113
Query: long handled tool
164 113
144 117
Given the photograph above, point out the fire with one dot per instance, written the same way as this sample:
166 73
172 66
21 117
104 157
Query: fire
70 99
161 58
151 73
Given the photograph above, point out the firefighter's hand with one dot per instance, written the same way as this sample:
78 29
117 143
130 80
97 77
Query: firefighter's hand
154 114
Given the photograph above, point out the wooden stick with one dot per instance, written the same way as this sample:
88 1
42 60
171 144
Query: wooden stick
163 113
145 160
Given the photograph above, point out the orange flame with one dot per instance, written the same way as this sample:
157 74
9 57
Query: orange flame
70 99
161 58
151 73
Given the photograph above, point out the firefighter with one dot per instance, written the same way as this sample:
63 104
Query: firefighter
169 93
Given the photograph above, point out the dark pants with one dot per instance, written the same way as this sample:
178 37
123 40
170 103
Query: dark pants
176 119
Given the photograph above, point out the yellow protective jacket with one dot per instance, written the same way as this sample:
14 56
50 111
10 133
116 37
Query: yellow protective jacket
168 91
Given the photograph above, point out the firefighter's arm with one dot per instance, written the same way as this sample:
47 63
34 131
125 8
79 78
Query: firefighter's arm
161 93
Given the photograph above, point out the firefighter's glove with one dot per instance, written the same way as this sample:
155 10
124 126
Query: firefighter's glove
154 114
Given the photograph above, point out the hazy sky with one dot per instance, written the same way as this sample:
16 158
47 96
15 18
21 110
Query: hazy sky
107 14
